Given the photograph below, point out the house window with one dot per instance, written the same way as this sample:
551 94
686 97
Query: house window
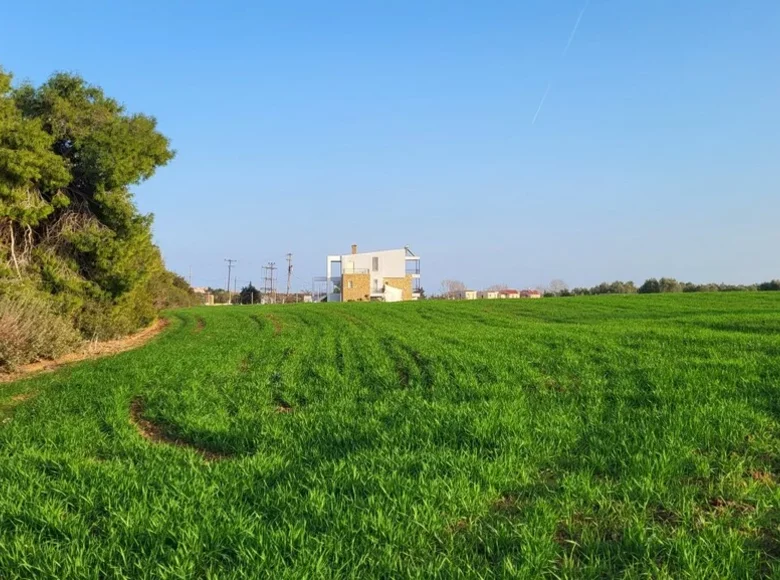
375 263
349 284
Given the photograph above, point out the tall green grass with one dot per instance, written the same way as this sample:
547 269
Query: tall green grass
625 436
30 330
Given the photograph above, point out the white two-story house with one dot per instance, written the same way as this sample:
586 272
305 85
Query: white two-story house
385 275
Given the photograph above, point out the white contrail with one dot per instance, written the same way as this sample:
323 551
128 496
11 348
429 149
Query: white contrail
574 30
563 55
541 103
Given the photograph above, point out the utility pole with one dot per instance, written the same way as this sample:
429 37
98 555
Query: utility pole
190 275
270 269
289 275
230 262
263 299
251 293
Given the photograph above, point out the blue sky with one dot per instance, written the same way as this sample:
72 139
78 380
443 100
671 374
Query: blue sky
308 126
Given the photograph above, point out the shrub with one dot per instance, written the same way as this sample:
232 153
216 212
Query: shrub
30 330
650 286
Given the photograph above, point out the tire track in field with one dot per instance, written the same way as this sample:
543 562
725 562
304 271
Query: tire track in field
339 356
276 357
409 363
275 383
200 324
276 322
263 320
157 433
259 320
460 378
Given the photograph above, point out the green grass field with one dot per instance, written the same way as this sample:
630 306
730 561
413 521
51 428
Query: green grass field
624 436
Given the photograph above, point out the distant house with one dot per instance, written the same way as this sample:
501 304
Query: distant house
508 293
465 295
530 294
385 275
200 290
488 294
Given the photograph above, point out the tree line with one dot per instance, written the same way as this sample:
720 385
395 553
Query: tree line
76 255
659 286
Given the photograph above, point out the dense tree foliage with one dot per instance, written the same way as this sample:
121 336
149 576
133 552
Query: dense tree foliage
249 295
69 228
665 285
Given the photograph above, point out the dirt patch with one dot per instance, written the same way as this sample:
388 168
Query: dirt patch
200 324
157 433
353 319
763 477
22 397
459 526
282 406
277 324
581 530
91 350
508 504
720 506
7 407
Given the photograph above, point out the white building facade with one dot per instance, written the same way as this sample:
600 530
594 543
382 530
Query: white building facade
383 275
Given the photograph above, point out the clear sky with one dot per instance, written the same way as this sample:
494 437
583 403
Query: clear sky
309 126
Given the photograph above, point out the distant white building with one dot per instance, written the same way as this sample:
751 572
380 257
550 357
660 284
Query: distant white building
488 294
385 275
465 295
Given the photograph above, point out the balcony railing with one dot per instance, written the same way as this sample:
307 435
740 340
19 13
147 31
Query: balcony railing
353 270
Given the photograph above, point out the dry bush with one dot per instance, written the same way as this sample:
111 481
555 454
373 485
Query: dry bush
30 331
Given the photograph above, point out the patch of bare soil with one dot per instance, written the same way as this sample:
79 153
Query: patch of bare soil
22 397
458 526
90 351
665 517
353 319
720 505
763 477
200 324
507 504
7 407
157 434
282 406
276 322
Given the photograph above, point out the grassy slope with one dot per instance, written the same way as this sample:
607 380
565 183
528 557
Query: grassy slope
579 437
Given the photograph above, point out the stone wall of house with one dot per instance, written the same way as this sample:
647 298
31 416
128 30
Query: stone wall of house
360 290
404 284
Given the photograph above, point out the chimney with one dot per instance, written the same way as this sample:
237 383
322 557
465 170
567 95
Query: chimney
354 248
